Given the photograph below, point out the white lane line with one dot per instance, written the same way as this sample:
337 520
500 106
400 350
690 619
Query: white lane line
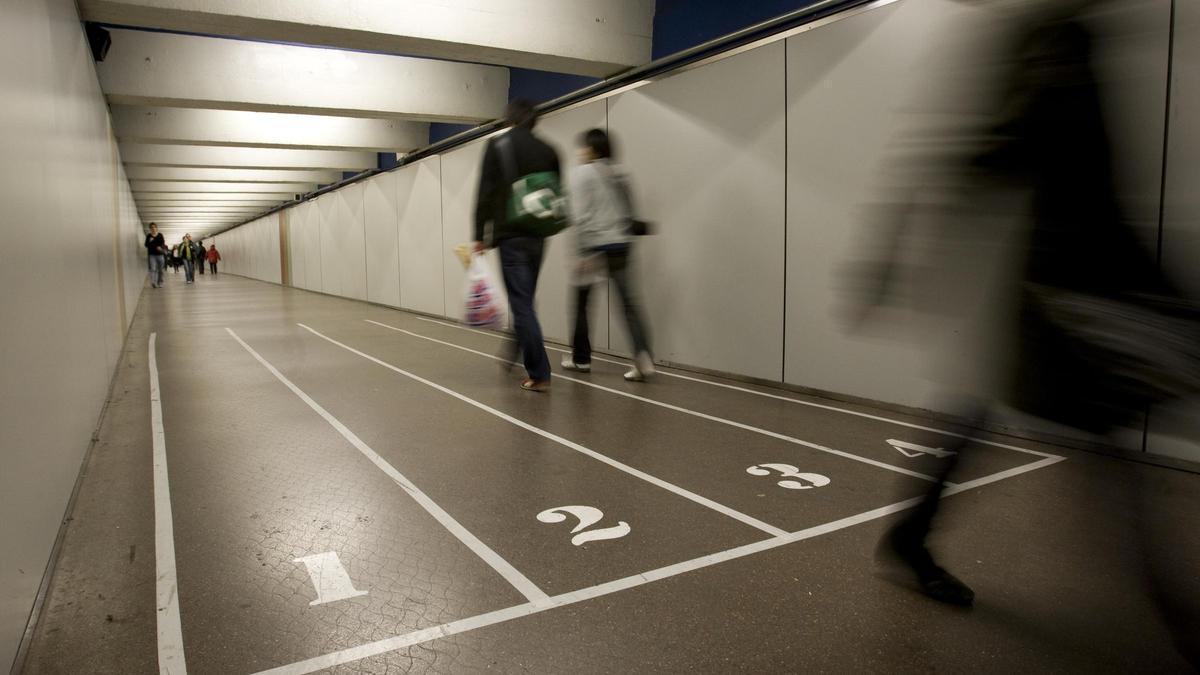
500 616
493 559
171 660
777 397
686 494
687 411
491 618
1001 475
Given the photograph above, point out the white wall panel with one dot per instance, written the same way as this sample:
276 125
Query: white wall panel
312 246
419 200
845 83
296 219
272 263
705 153
460 182
327 215
353 247
342 246
382 225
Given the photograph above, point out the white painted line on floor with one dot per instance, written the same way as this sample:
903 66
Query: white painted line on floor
329 577
686 494
171 660
500 616
502 566
1009 473
687 411
777 397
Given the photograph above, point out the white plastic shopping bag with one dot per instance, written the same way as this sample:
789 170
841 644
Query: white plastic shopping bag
483 308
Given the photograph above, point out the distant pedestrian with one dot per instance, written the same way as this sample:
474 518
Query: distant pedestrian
156 249
202 255
213 257
602 213
189 256
519 227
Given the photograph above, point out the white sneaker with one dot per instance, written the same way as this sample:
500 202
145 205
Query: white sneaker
635 375
568 364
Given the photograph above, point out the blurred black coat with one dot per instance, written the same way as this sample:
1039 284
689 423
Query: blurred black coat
1053 140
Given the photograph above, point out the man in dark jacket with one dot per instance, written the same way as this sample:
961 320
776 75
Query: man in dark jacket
156 249
520 253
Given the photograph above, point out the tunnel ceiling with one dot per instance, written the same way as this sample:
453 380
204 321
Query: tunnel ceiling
224 108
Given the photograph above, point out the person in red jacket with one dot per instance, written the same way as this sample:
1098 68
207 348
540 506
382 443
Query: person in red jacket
213 258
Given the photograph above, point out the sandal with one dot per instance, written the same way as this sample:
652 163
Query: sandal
529 384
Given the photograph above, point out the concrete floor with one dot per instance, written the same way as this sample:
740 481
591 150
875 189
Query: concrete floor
716 569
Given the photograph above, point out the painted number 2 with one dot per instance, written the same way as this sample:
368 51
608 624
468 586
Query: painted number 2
587 516
796 479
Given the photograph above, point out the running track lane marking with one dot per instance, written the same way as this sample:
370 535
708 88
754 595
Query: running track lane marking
528 609
171 660
535 595
682 492
777 397
712 418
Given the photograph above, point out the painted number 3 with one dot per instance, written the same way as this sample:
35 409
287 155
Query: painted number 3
797 480
587 516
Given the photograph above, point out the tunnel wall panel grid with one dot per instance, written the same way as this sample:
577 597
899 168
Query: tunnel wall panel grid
757 169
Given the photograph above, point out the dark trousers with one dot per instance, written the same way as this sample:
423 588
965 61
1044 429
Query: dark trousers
521 260
200 265
617 261
212 266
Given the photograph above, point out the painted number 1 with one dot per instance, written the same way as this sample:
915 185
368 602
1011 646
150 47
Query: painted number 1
587 516
795 479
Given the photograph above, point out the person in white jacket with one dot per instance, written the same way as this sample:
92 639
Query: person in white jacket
601 212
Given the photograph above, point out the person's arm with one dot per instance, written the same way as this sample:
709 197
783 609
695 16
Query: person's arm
485 201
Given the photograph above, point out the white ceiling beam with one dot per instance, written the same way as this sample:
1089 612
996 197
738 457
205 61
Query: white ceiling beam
191 173
144 186
247 158
146 197
194 203
597 38
143 124
208 210
186 71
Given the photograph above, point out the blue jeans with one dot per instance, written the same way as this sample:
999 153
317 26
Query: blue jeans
156 264
189 269
521 260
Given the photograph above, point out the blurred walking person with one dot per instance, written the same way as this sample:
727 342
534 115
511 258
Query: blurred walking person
201 256
602 215
518 225
189 256
1100 333
156 250
213 256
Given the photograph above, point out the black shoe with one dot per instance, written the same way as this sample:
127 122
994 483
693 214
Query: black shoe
934 581
942 586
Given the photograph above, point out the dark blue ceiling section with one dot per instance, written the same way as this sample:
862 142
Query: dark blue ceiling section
681 24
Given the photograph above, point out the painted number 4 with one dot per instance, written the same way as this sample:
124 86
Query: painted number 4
587 516
795 479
